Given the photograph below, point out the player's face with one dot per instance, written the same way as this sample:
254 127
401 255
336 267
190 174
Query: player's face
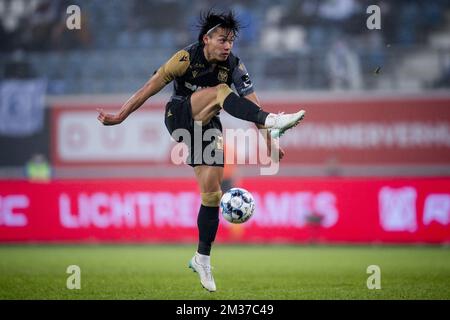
218 45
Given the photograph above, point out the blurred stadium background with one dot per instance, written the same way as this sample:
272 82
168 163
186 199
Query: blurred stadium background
369 165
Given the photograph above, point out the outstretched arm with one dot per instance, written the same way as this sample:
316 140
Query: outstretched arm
152 87
174 67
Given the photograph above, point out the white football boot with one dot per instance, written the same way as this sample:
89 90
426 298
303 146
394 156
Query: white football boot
204 271
279 123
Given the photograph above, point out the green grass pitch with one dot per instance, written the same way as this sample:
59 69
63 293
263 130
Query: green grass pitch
241 272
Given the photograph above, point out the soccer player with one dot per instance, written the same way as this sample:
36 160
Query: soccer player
202 74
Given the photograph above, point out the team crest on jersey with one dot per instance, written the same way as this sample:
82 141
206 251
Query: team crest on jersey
222 76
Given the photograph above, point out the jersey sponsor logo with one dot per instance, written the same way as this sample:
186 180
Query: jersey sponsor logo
222 76
194 73
192 87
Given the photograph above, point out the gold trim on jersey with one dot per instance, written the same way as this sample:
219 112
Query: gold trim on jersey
175 66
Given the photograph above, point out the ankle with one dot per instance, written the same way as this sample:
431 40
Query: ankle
270 120
203 259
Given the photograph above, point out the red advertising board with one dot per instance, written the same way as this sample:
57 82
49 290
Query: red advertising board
394 210
379 131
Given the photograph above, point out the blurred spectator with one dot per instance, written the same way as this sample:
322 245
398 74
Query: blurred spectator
374 53
12 15
344 67
40 23
271 36
337 10
38 169
294 38
280 36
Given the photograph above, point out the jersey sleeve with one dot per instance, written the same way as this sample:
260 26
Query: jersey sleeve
241 80
175 66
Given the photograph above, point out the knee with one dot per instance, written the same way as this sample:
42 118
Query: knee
211 199
222 92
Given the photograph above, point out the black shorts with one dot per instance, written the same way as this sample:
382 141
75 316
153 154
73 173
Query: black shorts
205 143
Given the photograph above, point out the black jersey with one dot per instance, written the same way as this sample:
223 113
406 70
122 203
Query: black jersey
190 71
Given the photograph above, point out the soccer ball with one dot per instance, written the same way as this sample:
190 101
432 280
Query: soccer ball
237 205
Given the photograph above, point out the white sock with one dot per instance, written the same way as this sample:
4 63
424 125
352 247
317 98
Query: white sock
270 120
203 259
